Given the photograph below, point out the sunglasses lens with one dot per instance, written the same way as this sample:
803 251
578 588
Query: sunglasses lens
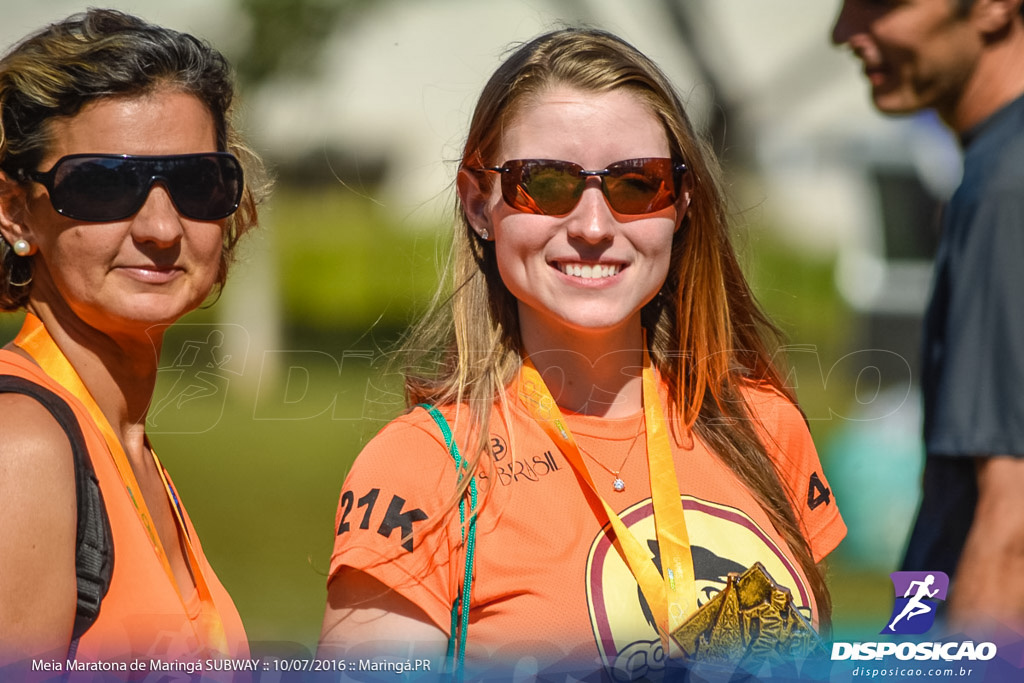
640 186
101 188
95 189
553 188
544 187
205 187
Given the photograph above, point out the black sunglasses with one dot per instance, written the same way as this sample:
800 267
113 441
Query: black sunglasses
553 188
109 187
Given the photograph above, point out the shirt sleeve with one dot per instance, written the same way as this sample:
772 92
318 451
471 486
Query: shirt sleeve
395 517
788 440
974 351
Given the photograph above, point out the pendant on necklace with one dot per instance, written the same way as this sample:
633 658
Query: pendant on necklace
618 484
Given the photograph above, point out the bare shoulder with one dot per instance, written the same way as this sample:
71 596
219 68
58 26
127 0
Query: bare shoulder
38 520
35 451
26 419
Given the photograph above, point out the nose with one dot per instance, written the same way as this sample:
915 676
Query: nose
158 221
592 219
844 27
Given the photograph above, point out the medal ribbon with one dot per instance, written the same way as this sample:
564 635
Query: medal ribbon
672 595
37 342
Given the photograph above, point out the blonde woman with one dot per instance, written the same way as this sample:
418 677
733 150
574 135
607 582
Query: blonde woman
623 438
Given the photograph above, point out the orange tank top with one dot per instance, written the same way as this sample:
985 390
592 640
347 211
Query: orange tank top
142 616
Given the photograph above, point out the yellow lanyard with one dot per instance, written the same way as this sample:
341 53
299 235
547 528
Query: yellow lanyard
36 341
671 595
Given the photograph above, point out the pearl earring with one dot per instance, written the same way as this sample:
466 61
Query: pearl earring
22 247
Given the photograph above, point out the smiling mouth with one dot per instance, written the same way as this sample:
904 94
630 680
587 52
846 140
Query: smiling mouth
875 73
596 271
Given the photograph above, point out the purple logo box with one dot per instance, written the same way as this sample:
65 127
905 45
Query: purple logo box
918 595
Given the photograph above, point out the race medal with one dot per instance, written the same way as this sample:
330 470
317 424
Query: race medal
753 621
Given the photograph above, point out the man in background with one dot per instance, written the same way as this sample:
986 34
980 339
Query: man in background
965 60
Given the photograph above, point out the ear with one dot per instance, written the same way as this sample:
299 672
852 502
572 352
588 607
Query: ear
683 200
474 198
13 209
992 16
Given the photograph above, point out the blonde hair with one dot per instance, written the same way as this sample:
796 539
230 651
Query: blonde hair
104 53
707 335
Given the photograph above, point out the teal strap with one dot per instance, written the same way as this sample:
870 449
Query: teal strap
460 608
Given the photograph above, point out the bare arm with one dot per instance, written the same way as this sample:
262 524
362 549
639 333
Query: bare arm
38 520
990 576
366 618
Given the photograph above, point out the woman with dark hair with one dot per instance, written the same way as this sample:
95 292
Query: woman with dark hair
623 439
122 196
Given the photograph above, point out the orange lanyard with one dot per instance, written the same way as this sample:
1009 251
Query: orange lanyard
671 595
36 341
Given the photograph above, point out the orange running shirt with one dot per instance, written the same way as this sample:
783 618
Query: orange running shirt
548 584
142 615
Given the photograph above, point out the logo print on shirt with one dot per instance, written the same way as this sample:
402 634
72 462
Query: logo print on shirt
917 597
709 569
621 620
509 470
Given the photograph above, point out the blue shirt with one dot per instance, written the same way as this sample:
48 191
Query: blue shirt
973 346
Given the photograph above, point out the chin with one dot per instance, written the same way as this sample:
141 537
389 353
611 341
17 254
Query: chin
892 103
154 313
589 326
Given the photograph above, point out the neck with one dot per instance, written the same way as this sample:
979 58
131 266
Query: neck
119 371
997 80
597 373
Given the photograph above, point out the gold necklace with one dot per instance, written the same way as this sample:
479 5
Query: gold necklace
618 485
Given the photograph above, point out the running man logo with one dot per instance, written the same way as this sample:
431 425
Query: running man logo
917 597
191 392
